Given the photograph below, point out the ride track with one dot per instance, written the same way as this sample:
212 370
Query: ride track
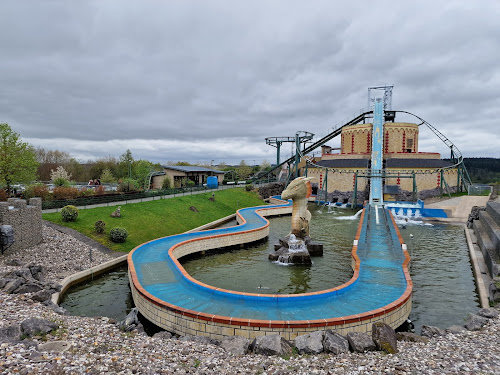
379 290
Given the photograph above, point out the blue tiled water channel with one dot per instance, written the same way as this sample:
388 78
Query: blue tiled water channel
381 279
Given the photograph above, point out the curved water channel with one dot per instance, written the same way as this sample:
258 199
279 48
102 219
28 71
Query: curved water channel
443 294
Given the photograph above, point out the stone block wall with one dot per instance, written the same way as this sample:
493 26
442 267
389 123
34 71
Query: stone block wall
26 220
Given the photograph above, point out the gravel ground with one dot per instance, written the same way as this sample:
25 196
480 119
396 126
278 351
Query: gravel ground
97 346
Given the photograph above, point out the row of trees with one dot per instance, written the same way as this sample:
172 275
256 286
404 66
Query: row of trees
20 163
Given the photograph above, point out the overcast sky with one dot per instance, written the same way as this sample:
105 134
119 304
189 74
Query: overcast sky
209 80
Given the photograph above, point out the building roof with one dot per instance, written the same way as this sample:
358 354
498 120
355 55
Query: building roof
191 168
343 163
417 163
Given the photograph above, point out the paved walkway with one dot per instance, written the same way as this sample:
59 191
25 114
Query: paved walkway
460 206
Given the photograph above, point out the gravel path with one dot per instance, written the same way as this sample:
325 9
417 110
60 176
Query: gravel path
96 346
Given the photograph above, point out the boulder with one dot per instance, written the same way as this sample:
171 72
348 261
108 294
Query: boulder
360 342
411 337
335 343
455 329
384 338
35 326
489 313
11 333
201 339
130 322
431 331
236 345
164 335
311 343
42 295
475 322
24 273
12 285
38 272
272 345
28 288
54 346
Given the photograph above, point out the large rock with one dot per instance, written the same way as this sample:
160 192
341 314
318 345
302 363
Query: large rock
131 321
201 339
411 337
38 272
28 288
475 322
42 295
35 326
360 342
455 329
55 346
431 331
164 335
335 343
11 333
272 345
488 313
311 343
12 285
236 345
384 338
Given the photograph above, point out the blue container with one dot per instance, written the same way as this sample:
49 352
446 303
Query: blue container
212 182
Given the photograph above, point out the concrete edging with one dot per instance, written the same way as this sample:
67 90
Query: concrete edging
480 287
89 273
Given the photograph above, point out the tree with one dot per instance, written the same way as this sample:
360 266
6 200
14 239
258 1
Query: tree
17 159
60 177
265 165
125 165
107 176
244 170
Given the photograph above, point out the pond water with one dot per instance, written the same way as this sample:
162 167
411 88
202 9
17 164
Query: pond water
444 291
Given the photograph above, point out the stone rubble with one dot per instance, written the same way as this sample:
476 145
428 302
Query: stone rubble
83 345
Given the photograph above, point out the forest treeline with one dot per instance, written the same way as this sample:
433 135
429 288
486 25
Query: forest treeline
483 170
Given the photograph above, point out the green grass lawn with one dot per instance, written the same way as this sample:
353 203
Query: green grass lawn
159 218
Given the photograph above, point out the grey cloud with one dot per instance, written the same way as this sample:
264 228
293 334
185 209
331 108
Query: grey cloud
215 71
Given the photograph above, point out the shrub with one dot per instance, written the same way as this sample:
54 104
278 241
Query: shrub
3 195
84 192
128 184
99 190
167 183
60 177
38 191
69 213
62 192
99 226
248 187
118 235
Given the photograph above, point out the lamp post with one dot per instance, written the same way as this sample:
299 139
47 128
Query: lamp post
211 170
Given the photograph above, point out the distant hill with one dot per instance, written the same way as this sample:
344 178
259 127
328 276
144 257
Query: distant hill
483 170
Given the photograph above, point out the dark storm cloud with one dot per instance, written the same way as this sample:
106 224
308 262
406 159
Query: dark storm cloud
193 80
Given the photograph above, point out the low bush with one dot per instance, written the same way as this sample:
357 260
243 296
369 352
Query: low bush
37 191
167 183
128 185
118 235
85 192
3 195
248 187
100 190
99 226
62 192
69 213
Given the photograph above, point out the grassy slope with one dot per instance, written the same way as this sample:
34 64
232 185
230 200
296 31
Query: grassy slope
154 219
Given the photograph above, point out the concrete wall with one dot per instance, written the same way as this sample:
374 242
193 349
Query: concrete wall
26 220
